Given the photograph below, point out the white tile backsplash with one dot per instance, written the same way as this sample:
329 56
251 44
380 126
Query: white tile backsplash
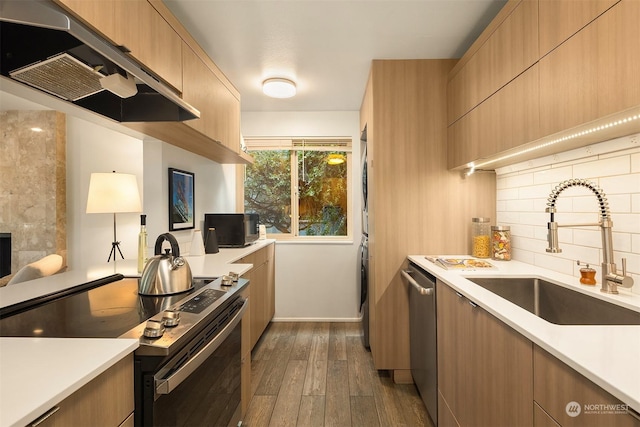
522 191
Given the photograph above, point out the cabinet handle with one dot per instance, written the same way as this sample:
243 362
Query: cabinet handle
459 295
45 416
472 304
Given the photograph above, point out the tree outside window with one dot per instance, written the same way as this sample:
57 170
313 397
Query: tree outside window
299 189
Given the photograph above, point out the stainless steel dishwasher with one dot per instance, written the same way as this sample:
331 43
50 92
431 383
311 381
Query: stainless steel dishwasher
422 335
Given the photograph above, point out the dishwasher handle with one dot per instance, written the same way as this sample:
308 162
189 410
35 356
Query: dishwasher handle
412 282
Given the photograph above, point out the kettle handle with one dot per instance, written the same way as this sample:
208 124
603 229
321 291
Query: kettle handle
175 249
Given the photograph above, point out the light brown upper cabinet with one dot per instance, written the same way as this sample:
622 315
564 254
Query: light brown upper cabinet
506 119
560 19
618 58
585 76
594 73
151 40
568 83
139 28
507 51
219 108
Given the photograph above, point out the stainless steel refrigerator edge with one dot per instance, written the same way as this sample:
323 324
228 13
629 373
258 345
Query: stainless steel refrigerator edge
364 244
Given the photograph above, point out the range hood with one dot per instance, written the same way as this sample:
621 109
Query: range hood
44 48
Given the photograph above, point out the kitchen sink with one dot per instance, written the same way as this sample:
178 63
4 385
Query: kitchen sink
557 304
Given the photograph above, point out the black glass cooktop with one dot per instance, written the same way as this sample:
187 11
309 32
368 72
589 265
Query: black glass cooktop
106 311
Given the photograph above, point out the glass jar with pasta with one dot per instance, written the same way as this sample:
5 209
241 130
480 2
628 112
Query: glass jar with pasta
480 237
501 243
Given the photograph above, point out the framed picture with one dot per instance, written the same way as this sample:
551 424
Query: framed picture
181 200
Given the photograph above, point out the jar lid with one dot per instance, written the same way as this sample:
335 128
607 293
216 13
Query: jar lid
480 219
500 228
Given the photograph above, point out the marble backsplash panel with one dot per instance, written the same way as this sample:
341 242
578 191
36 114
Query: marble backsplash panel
33 184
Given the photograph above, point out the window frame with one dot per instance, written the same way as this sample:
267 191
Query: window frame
295 145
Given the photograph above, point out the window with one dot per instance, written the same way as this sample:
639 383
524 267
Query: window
300 187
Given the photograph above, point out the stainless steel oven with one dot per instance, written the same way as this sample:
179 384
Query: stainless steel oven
198 386
187 367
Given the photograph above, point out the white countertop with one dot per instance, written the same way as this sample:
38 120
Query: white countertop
607 355
38 373
205 266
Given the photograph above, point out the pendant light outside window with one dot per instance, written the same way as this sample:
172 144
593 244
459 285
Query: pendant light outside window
335 159
279 88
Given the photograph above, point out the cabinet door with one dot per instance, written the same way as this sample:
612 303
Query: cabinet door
511 49
560 19
569 83
105 401
618 58
150 39
219 108
484 367
556 385
508 118
594 73
99 14
138 27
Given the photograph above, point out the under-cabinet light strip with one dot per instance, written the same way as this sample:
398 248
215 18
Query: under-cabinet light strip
555 141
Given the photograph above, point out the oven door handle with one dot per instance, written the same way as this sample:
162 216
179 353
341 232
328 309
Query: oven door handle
167 385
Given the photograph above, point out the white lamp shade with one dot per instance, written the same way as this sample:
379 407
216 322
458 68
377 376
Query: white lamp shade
279 88
113 193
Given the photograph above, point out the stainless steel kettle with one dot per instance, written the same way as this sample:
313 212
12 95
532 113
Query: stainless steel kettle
168 273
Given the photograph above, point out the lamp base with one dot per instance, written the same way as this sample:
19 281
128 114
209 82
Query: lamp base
115 246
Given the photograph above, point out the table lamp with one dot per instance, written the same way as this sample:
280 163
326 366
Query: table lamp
113 193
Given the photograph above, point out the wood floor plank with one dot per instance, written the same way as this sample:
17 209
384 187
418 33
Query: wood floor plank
259 411
337 342
315 383
272 377
285 411
311 411
296 382
319 347
360 370
257 371
388 406
302 344
363 412
415 413
337 403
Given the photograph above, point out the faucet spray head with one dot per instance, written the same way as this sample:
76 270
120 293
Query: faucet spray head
552 234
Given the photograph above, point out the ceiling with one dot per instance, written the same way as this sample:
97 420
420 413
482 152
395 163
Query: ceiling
325 46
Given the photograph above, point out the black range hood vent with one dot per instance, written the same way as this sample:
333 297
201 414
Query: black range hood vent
44 48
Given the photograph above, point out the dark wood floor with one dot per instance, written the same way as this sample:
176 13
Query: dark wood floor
319 374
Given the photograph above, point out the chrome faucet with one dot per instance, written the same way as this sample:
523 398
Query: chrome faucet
610 277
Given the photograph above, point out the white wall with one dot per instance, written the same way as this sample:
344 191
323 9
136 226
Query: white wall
315 281
522 191
94 148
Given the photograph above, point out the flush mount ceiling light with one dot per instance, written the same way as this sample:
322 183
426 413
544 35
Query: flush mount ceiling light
279 88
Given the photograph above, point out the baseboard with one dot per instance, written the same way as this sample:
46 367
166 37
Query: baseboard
316 319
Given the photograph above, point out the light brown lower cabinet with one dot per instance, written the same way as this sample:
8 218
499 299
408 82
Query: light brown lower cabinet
107 401
245 351
485 369
490 375
541 418
557 387
262 279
